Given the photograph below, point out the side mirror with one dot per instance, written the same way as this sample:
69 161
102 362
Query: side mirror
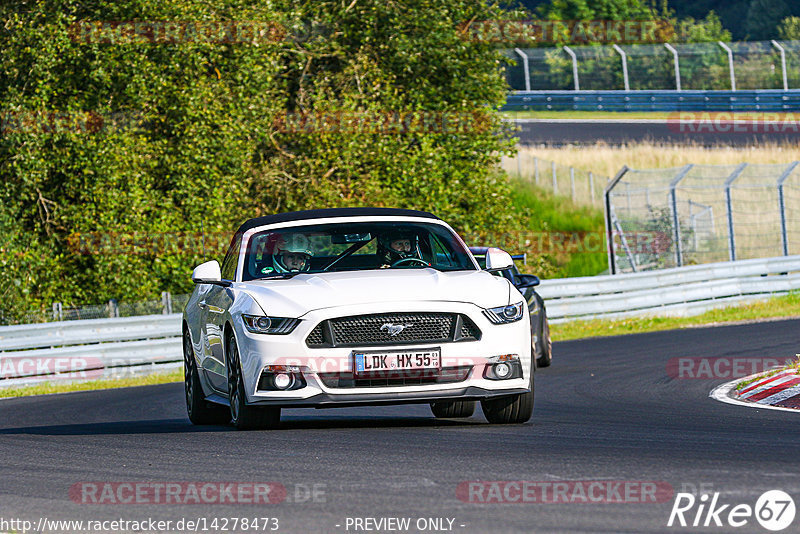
207 273
498 260
527 280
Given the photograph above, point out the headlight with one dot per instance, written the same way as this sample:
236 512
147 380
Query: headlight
269 325
505 314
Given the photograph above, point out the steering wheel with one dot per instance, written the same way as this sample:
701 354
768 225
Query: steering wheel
423 262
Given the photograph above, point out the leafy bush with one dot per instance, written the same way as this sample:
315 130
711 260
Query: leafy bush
123 140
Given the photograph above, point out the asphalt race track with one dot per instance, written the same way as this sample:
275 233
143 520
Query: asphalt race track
558 132
606 410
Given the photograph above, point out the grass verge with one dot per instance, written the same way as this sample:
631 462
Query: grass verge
55 387
655 115
549 226
779 307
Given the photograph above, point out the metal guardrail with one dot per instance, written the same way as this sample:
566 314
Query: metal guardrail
80 348
92 348
678 291
756 100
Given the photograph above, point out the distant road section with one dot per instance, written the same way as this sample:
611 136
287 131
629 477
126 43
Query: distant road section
556 132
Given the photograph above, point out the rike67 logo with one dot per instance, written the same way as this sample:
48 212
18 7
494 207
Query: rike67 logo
774 510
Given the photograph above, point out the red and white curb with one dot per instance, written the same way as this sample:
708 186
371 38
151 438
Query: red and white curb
780 391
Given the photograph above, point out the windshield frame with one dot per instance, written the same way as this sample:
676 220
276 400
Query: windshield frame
249 234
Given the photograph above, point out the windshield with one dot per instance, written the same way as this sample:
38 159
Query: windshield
354 247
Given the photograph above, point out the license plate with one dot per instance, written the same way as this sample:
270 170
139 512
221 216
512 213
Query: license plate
381 363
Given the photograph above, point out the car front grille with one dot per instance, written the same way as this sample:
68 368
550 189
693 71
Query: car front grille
447 375
393 329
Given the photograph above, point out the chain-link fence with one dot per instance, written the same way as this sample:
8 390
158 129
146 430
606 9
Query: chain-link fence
580 186
703 214
58 312
698 66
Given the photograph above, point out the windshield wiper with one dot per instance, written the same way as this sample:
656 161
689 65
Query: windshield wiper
282 276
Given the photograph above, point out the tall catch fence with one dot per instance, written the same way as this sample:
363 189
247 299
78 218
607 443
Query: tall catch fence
695 66
702 214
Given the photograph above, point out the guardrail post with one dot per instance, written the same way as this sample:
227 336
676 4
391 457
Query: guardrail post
612 264
782 50
166 301
728 183
572 181
525 68
782 205
676 223
536 169
113 308
624 57
569 51
58 312
730 63
555 178
677 65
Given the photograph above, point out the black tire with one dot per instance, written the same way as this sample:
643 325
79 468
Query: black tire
543 348
513 409
200 411
453 409
243 415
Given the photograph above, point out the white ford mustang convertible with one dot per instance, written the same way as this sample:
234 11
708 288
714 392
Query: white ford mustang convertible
349 307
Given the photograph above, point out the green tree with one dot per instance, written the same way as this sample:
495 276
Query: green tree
116 151
789 29
708 30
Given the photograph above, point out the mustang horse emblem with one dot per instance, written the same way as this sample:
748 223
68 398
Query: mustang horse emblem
394 329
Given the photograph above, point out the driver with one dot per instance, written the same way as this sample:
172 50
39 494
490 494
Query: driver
292 254
396 246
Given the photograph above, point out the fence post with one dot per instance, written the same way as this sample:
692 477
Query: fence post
624 57
591 187
555 178
166 301
58 312
519 166
569 51
525 68
730 64
782 205
676 223
782 50
612 266
728 184
572 181
677 65
536 169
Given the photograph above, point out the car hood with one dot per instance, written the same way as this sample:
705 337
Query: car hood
308 292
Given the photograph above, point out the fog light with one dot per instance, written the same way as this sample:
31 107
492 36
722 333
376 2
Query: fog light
282 380
502 370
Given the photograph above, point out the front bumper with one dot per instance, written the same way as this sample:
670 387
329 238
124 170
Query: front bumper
258 351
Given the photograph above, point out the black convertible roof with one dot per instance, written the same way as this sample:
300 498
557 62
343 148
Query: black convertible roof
331 212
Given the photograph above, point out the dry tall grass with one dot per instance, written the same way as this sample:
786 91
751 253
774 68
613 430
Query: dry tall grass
606 160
